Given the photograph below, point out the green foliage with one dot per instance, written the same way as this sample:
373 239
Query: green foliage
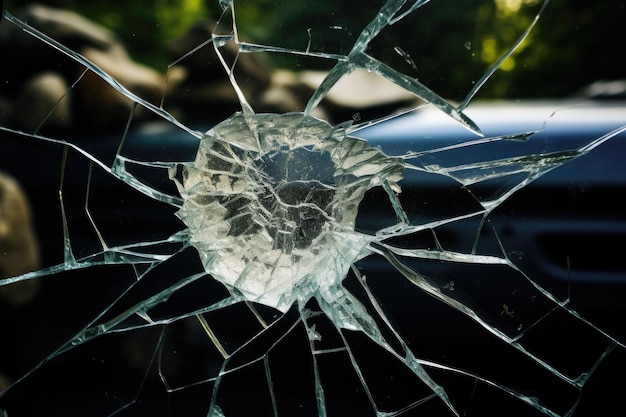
576 42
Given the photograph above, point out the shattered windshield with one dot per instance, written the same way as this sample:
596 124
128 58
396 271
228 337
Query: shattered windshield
233 227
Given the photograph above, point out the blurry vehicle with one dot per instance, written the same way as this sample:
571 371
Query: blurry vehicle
570 212
566 230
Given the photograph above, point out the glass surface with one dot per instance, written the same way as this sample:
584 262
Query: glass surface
297 208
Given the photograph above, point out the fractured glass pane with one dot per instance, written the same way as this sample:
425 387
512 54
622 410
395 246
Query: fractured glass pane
224 238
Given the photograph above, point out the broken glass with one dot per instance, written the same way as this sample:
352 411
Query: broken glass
273 261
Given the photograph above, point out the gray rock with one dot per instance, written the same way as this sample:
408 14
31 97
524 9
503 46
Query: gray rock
43 101
19 251
36 79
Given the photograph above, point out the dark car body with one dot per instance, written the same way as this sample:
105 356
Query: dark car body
572 211
566 230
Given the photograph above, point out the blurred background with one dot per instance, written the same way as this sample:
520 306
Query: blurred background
575 43
159 51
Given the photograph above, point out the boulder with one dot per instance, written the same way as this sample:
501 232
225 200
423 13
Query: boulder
43 100
19 250
103 105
